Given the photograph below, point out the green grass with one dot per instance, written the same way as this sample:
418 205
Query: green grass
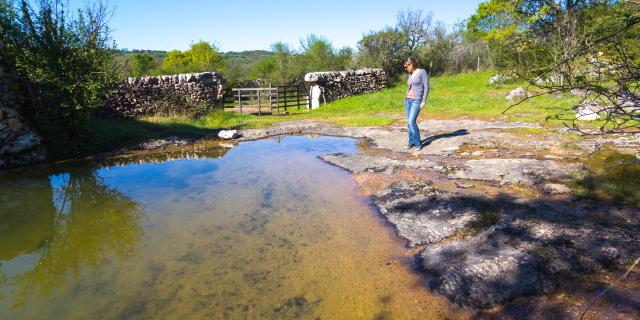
453 96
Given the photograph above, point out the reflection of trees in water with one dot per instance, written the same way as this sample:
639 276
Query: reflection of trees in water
26 216
3 280
91 224
74 219
164 155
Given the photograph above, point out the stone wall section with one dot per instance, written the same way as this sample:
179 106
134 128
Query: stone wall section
165 94
332 85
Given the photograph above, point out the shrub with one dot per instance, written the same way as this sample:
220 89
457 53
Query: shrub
65 61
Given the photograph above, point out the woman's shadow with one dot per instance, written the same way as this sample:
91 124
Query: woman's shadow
429 140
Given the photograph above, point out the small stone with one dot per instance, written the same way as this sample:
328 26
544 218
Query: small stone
518 94
464 185
555 188
589 110
14 124
579 92
477 153
228 134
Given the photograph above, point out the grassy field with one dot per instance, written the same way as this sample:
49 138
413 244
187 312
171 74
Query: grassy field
462 95
466 95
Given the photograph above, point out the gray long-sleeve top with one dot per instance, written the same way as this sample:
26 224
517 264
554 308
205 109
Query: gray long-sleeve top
420 85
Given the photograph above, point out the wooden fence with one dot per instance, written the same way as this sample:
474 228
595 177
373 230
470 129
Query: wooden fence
272 100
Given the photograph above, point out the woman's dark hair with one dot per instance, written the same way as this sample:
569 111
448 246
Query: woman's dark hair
413 61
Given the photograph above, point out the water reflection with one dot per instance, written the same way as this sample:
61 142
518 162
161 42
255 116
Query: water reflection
266 231
59 222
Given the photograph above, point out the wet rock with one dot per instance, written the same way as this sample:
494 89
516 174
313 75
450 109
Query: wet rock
365 163
525 171
423 215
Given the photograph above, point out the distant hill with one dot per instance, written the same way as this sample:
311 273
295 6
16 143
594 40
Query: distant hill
157 54
246 57
233 57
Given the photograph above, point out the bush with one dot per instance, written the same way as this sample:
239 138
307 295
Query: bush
65 61
201 56
142 64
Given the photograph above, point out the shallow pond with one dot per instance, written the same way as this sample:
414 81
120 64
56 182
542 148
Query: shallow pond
262 230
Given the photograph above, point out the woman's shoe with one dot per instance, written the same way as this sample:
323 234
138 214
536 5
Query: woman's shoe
408 146
418 148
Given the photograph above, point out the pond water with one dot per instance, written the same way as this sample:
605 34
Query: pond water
262 230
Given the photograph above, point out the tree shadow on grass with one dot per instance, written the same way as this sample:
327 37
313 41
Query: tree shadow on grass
429 140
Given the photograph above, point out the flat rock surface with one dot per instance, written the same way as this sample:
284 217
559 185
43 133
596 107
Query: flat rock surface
484 270
423 215
449 125
365 163
525 171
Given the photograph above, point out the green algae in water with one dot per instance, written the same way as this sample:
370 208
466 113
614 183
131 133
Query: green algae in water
613 176
265 230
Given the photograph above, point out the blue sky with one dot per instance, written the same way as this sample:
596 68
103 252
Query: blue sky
235 25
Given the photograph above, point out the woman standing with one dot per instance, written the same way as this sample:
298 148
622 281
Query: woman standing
416 97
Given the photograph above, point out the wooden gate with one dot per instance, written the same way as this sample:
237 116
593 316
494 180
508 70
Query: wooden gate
272 100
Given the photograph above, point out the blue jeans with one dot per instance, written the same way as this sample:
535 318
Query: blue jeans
412 108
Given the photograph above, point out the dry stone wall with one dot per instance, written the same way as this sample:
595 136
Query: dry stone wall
331 85
19 144
180 93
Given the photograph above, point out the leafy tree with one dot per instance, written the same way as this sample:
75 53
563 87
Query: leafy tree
384 49
264 68
283 68
204 56
142 64
201 56
317 53
437 52
175 59
65 61
559 46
